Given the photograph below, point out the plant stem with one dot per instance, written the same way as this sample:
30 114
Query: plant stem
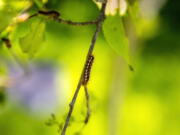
91 48
88 114
69 22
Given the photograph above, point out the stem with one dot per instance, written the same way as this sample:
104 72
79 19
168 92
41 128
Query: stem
69 22
88 114
91 48
54 15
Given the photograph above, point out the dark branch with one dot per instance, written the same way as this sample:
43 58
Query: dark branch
87 105
60 20
54 15
91 48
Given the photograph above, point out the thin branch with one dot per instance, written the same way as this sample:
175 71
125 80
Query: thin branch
91 48
54 15
60 20
88 114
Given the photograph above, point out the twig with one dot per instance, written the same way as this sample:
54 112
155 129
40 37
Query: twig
91 48
87 105
54 15
60 20
84 82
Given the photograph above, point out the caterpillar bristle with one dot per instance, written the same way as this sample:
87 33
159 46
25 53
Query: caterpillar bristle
87 70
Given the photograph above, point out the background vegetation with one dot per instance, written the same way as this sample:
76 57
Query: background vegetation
143 102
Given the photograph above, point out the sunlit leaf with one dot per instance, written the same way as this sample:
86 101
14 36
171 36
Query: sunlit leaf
9 9
115 36
32 41
5 19
77 133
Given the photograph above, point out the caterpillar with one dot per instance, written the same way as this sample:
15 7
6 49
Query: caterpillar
87 70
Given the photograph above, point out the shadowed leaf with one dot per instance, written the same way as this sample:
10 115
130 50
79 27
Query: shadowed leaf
115 36
32 41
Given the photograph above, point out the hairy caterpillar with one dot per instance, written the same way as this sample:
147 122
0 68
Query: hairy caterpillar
87 70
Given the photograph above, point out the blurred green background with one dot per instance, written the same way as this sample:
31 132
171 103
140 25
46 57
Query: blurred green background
143 102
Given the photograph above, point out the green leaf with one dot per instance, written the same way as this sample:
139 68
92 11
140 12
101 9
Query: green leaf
32 41
102 1
2 96
115 36
40 3
77 133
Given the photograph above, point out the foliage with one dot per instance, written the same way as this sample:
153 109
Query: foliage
115 35
54 35
31 42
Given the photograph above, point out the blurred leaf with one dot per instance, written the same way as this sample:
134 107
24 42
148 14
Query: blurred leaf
102 1
77 133
5 18
53 116
9 9
21 30
1 42
60 127
40 3
2 96
32 42
134 12
115 36
52 121
49 123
